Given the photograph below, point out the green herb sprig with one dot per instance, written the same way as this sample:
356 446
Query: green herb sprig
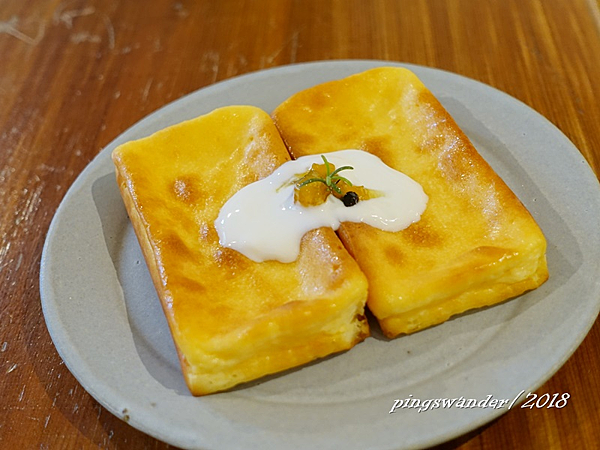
331 178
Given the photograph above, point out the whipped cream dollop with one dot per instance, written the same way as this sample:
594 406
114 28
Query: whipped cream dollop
263 222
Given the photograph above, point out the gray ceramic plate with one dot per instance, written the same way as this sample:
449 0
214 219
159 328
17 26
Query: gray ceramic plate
107 324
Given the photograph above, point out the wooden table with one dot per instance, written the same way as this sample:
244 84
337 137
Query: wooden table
74 74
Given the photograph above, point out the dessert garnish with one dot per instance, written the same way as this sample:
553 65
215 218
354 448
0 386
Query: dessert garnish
350 199
330 180
314 186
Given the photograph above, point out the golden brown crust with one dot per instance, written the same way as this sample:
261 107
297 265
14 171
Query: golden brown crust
475 244
232 320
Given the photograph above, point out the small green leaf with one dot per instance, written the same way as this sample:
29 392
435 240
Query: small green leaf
331 179
312 180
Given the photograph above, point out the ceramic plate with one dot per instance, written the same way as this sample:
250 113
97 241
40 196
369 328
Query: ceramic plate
106 321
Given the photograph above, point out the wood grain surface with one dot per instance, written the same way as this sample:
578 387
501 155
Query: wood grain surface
74 74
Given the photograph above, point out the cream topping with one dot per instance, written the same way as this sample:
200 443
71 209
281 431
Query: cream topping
263 222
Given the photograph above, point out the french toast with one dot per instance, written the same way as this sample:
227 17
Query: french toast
232 319
475 245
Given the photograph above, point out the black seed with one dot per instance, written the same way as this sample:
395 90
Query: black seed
350 199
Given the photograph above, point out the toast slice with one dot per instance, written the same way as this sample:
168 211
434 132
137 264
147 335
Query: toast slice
475 245
232 320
